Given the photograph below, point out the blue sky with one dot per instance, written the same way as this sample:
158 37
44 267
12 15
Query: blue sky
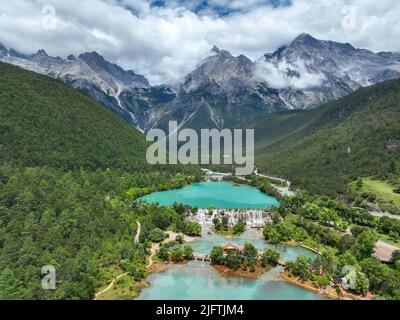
165 39
218 8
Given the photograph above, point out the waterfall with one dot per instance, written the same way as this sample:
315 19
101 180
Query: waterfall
252 217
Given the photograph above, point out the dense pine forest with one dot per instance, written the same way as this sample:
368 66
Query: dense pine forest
324 149
69 170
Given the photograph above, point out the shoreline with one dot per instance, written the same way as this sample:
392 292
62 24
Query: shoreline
225 271
152 267
328 292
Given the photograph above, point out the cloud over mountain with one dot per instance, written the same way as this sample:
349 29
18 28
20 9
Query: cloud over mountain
165 39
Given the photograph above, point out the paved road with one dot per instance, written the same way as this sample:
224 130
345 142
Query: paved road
285 191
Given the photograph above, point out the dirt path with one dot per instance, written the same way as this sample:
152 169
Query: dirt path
380 214
153 251
137 232
110 285
171 237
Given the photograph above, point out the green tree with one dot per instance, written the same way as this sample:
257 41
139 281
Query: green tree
217 255
179 239
359 183
397 265
250 253
163 254
217 224
160 219
383 279
233 260
347 259
271 234
396 256
225 222
346 242
176 254
11 288
187 251
328 261
270 256
239 228
301 267
157 235
362 283
365 243
137 270
192 228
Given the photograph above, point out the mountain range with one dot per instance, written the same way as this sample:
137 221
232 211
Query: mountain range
223 90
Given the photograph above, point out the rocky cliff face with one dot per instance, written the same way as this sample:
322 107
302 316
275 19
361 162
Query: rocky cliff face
315 71
90 72
220 92
223 90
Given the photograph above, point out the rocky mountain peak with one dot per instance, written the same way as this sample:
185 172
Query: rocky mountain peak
92 57
304 38
41 53
215 49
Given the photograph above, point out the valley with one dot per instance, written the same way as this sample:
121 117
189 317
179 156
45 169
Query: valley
77 191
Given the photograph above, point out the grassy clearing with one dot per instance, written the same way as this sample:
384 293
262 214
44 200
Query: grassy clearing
125 288
383 190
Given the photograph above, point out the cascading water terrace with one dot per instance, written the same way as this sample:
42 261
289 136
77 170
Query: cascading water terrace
254 218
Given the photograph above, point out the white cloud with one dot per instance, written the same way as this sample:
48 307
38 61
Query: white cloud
277 77
164 43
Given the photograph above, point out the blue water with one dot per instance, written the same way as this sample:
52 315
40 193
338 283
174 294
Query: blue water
222 195
288 253
198 281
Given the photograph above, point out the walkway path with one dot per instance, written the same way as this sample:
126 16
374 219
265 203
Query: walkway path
137 232
384 214
153 250
171 237
110 285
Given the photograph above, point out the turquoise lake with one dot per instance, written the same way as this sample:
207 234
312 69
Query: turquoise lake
221 195
198 280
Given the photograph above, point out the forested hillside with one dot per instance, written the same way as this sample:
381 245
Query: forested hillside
69 170
322 150
44 122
